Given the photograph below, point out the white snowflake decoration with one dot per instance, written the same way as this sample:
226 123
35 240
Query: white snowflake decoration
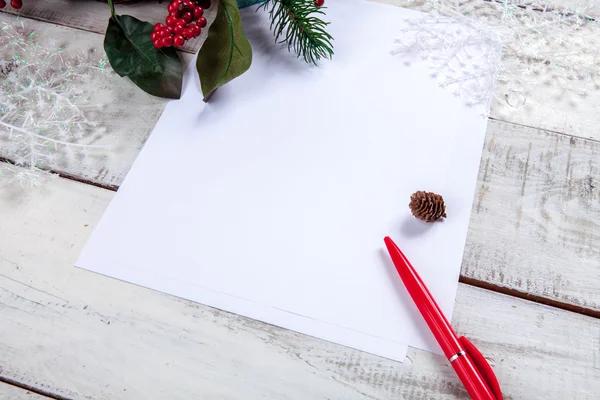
463 57
45 116
472 45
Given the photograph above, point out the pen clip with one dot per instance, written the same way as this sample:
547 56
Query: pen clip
483 366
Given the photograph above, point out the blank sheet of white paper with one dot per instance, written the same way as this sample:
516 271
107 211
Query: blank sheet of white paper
272 201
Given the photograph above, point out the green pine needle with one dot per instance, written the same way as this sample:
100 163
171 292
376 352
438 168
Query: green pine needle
295 22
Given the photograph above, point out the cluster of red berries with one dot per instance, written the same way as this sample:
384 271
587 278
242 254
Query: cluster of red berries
13 3
184 21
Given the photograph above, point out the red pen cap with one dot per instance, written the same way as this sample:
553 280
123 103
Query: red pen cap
484 368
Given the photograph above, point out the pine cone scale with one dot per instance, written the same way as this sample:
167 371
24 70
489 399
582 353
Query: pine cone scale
427 206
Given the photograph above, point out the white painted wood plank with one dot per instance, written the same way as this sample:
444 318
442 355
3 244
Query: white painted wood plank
10 392
112 340
535 224
560 90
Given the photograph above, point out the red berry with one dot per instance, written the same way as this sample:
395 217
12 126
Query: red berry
158 27
154 36
2 4
171 20
194 30
198 12
178 41
205 4
201 22
16 4
187 33
167 42
179 29
187 17
158 43
163 34
319 3
170 29
173 7
189 3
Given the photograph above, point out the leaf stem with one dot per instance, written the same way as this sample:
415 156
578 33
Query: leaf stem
112 9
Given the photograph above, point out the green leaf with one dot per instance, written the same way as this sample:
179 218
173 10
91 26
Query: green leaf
131 53
226 54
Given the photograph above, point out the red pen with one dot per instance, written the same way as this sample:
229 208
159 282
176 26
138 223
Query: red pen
471 367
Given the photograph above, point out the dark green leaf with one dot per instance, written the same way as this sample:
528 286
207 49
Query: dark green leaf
226 54
131 53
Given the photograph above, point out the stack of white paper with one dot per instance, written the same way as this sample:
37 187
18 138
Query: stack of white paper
272 200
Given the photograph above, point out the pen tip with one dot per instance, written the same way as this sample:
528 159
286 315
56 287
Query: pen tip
392 247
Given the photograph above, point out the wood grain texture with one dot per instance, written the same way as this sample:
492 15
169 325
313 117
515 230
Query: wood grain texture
82 335
541 99
535 224
10 392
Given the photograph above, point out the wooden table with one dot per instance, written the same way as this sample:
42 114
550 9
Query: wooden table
529 295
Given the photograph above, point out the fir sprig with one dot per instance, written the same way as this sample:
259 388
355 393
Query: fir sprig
297 23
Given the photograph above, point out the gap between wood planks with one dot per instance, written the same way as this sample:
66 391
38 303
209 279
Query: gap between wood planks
537 128
530 297
33 389
68 176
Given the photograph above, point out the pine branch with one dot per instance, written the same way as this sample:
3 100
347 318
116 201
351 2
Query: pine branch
295 22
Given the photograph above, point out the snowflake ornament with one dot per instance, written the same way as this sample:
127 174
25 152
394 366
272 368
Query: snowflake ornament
45 115
462 57
472 47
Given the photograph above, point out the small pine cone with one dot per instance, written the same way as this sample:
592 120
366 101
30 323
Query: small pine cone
427 206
